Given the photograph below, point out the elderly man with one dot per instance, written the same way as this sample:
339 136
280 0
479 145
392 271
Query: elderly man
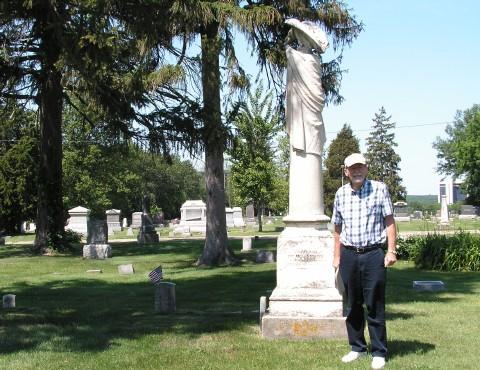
363 219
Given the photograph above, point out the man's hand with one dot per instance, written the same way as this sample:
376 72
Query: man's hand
390 259
336 262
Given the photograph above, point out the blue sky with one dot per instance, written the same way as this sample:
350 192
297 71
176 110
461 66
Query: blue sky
417 58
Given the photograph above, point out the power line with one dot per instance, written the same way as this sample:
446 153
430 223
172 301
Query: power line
404 126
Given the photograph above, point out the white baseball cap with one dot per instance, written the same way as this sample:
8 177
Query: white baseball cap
354 159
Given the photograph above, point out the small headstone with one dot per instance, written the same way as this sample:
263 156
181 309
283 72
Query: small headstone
263 307
429 286
125 222
126 269
78 220
113 220
417 215
238 217
250 214
97 232
165 297
229 217
265 257
9 301
97 239
147 232
98 271
97 251
130 231
247 244
467 212
136 220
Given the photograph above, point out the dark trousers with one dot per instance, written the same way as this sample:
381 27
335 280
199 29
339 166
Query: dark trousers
364 277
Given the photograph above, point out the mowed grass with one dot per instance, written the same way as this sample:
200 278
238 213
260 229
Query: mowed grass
67 318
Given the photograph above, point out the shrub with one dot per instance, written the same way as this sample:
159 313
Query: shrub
458 252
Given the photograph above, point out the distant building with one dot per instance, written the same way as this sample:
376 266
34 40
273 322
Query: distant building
451 189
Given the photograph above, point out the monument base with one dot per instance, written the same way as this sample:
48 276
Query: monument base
305 304
277 327
148 237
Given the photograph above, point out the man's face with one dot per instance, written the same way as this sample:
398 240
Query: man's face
357 174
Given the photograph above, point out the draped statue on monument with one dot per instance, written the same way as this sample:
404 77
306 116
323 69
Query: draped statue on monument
305 99
305 302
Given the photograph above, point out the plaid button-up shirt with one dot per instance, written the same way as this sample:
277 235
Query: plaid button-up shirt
362 213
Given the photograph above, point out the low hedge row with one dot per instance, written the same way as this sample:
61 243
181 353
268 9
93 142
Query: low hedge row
457 252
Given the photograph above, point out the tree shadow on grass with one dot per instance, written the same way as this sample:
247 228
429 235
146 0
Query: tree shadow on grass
192 247
92 315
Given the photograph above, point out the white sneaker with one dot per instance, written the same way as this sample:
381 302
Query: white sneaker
378 362
352 356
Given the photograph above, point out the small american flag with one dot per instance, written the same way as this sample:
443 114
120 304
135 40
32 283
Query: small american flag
156 275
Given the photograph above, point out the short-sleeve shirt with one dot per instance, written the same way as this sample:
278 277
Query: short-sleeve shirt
362 213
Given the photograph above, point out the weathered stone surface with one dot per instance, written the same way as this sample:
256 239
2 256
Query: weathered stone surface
265 257
247 244
97 251
126 269
275 327
78 220
113 220
165 301
97 232
429 286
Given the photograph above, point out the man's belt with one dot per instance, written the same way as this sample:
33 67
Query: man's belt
368 248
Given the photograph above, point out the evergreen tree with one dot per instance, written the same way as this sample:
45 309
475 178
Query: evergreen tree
18 167
383 161
344 144
82 53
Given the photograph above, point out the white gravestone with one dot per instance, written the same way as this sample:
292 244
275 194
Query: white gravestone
305 302
125 222
193 218
78 220
444 210
113 220
136 220
126 269
238 217
247 244
229 217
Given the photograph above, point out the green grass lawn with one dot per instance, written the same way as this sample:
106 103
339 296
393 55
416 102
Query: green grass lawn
67 318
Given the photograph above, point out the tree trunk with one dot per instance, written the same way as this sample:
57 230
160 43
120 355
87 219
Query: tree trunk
50 217
216 250
259 217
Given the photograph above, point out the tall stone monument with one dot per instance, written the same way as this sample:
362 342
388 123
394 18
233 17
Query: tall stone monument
444 210
305 302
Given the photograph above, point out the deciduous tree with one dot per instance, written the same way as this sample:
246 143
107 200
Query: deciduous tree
459 152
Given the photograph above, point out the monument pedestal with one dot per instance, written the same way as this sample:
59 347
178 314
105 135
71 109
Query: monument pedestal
305 303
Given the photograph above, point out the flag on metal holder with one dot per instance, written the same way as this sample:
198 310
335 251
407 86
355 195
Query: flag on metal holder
156 275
